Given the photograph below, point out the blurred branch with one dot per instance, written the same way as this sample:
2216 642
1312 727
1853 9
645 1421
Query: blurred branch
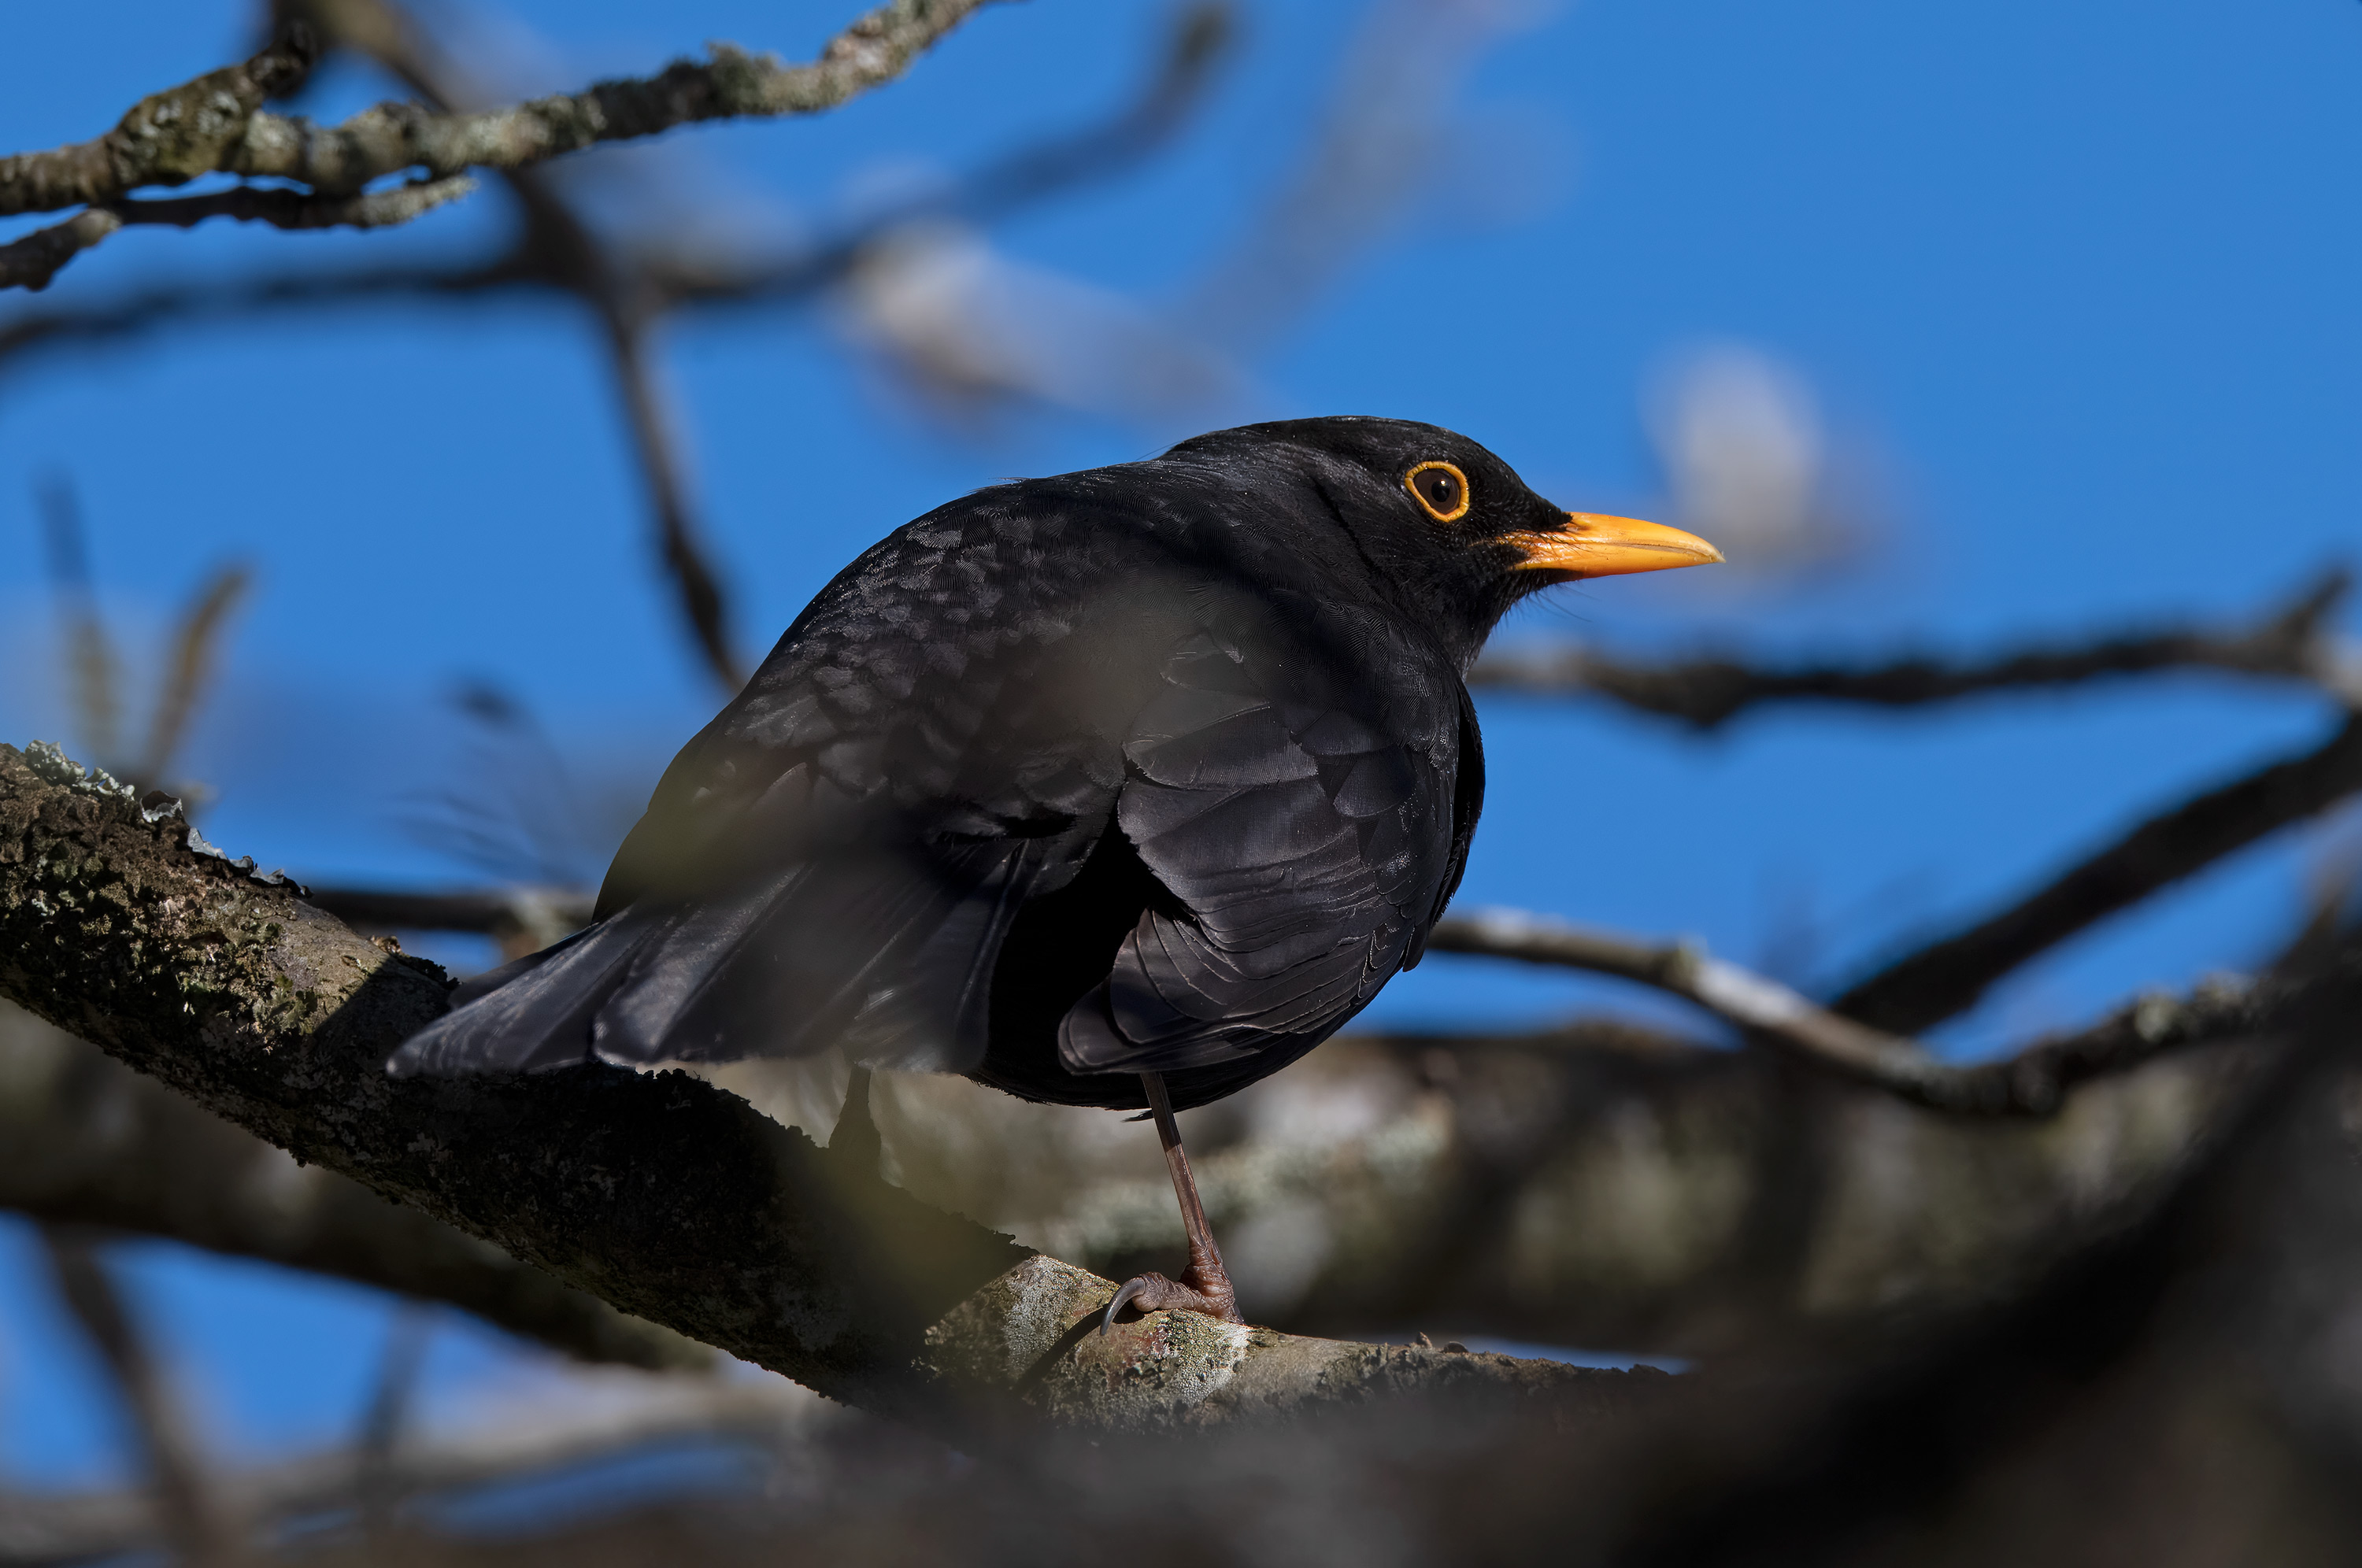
488 912
1947 977
91 1143
669 1198
84 1526
657 441
378 1484
2293 643
90 653
194 646
191 1520
215 123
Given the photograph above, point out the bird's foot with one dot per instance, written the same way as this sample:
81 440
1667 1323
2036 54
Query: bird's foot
1208 1291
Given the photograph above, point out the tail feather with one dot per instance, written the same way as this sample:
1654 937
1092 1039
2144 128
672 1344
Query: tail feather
889 956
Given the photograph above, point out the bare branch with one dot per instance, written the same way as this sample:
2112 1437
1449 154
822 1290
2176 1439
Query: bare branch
669 1198
2294 643
658 443
32 262
1750 1000
1947 977
2033 1082
199 1535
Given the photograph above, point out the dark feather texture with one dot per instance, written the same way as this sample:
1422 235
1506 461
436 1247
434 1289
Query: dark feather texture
1163 768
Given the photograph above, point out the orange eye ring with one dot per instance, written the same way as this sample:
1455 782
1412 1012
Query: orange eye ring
1444 494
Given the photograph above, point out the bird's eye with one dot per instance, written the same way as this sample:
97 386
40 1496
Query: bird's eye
1441 489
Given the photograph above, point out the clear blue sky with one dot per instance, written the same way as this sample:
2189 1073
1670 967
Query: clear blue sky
2077 280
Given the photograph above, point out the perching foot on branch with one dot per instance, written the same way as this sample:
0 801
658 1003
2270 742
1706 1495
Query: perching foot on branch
1204 1285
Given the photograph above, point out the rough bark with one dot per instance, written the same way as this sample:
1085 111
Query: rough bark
663 1195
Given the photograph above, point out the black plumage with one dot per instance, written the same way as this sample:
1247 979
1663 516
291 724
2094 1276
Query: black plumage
1162 769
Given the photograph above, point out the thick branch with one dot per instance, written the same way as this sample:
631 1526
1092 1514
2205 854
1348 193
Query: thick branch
1949 977
669 1198
2293 643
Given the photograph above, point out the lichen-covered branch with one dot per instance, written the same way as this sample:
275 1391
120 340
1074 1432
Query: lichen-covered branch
166 138
668 1197
2295 643
216 124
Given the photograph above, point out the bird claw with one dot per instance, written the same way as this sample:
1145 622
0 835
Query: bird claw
1155 1293
1133 1290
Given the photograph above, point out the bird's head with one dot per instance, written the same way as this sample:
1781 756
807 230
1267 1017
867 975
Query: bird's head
1453 533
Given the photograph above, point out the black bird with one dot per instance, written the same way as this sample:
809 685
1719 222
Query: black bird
1124 788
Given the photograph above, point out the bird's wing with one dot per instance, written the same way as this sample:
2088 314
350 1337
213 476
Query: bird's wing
1304 825
835 859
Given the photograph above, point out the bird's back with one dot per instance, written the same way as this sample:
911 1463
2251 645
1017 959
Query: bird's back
1067 781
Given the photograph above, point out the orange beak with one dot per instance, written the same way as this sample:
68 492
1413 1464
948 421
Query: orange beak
1592 545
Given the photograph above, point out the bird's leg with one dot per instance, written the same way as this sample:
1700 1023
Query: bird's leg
856 1144
1203 1287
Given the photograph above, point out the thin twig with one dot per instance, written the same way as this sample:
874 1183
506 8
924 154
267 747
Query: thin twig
654 437
376 1480
2033 1081
1947 977
187 1513
194 646
1684 969
32 262
90 652
2293 643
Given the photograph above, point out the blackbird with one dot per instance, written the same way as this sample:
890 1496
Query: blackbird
1124 789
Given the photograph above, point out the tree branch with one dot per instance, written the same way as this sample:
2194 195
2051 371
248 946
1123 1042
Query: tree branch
2032 1082
90 1143
669 1198
216 125
2293 643
1683 969
84 1526
199 1534
1947 977
166 138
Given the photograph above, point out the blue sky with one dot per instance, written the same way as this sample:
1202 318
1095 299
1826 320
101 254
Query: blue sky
2073 283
